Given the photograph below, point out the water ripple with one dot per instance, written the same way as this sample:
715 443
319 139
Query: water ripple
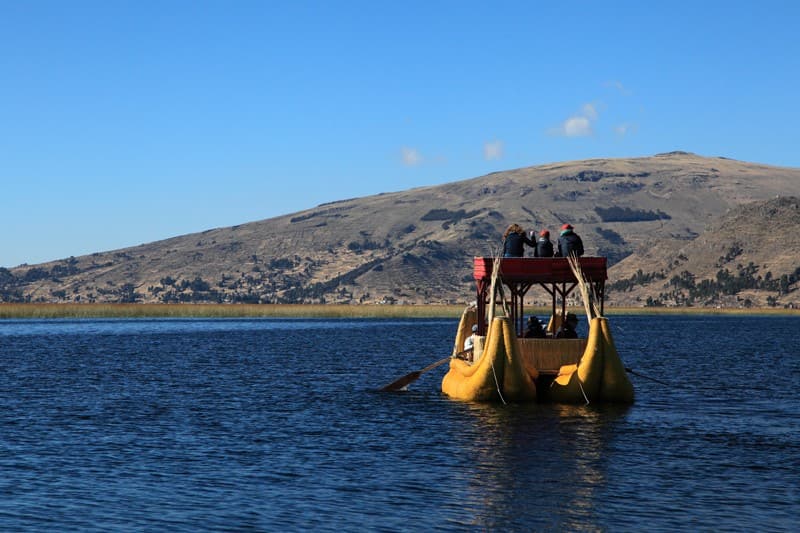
220 425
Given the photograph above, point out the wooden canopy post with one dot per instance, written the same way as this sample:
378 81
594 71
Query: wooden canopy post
518 291
482 287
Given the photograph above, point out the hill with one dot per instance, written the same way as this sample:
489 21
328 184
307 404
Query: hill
416 246
749 256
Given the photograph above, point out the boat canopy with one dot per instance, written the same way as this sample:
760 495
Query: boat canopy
519 274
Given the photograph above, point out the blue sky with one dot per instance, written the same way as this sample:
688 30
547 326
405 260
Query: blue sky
126 122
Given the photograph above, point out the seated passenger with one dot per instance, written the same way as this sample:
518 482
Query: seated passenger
534 329
569 242
567 329
469 344
544 248
514 240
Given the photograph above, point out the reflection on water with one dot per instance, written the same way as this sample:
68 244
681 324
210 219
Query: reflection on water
546 459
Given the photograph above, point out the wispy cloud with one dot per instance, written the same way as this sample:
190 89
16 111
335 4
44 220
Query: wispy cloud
411 156
582 123
493 150
619 87
626 128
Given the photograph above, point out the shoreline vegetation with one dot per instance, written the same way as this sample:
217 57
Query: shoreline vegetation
109 310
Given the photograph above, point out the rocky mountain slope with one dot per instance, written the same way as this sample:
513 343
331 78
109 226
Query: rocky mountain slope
749 256
416 246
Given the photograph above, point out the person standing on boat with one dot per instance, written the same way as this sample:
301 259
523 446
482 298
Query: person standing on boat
569 242
544 248
514 240
567 329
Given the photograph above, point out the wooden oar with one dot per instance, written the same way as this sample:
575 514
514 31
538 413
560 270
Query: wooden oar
411 377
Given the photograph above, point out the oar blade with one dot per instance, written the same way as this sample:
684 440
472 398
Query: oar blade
401 383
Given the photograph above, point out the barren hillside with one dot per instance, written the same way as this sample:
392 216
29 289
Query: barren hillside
749 256
416 246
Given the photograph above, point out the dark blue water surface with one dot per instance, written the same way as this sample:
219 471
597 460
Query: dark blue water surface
275 425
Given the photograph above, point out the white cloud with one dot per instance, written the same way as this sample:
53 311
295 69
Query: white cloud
576 127
580 124
411 156
493 150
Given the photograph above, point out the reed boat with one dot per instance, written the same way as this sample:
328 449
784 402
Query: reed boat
506 366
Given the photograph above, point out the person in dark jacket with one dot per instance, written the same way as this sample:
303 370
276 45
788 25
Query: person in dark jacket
544 248
567 329
514 240
534 329
569 242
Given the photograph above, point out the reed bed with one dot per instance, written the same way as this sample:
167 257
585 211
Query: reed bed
109 310
752 311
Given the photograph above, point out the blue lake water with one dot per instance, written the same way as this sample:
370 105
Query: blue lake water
268 424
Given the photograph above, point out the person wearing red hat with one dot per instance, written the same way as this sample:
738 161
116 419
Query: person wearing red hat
569 242
544 248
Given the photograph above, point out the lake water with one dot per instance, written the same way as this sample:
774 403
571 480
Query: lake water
275 425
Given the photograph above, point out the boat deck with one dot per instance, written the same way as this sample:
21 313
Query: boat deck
548 355
540 269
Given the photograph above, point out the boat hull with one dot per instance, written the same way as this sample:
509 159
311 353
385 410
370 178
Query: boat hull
501 373
599 376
